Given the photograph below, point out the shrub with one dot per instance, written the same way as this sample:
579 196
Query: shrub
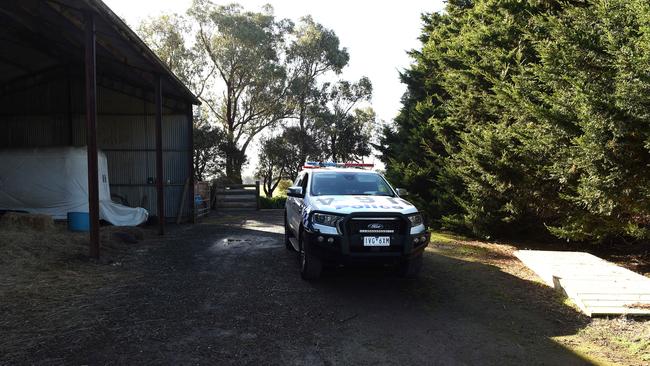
273 202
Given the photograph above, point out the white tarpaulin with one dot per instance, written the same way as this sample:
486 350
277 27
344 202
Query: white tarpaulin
54 181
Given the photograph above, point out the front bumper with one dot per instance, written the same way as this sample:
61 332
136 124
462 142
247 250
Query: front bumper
348 248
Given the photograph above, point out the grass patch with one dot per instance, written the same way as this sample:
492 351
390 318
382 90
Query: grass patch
602 341
443 238
626 341
464 250
460 247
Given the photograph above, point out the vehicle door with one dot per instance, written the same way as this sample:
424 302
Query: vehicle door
293 214
300 202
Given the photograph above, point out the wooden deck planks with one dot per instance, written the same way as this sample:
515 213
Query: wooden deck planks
596 286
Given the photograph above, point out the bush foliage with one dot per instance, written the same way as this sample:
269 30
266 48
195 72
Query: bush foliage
272 202
529 116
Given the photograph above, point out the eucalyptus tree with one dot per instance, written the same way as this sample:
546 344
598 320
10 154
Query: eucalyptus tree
232 60
166 35
278 160
209 149
313 52
353 136
340 122
252 71
249 88
169 36
272 165
294 138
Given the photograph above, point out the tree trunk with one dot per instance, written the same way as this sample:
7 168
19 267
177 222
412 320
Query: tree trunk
274 184
198 169
234 175
234 161
268 191
233 168
239 161
303 133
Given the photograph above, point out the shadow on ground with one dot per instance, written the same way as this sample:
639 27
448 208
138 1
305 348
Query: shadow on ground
227 291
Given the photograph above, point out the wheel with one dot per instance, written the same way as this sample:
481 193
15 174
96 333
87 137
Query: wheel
411 268
310 265
287 234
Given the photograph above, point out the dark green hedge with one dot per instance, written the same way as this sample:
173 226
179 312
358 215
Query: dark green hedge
529 116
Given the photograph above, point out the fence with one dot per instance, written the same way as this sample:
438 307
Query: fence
201 199
237 196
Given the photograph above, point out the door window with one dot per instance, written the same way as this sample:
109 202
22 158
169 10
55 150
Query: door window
303 184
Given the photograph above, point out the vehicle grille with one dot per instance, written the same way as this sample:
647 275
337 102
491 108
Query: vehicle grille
370 225
393 226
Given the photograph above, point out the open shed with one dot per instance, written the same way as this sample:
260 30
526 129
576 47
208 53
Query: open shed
72 73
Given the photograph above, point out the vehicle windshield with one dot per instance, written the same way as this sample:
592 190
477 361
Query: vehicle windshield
350 183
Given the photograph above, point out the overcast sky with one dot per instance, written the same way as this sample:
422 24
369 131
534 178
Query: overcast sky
376 33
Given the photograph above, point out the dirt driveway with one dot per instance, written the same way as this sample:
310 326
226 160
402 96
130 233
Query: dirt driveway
226 291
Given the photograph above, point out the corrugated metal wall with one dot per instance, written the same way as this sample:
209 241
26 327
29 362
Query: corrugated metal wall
52 115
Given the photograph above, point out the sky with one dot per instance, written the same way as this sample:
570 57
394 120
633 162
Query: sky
377 35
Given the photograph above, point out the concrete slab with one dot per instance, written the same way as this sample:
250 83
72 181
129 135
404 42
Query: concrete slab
596 286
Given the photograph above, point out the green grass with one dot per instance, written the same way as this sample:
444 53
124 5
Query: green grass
455 246
636 345
600 341
471 251
445 238
440 238
628 336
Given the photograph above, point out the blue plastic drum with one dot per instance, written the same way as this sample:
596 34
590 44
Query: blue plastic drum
78 221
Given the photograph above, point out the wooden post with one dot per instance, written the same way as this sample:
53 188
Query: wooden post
257 194
160 176
91 134
68 87
190 134
179 215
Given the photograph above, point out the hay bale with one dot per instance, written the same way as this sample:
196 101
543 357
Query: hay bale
20 220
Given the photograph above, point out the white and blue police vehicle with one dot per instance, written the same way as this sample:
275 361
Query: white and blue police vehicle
341 214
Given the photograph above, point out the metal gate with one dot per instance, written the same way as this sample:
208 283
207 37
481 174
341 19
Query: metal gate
201 199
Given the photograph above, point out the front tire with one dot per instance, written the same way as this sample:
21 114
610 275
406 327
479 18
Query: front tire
287 234
310 265
411 268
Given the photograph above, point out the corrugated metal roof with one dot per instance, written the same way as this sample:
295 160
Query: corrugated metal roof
139 44
44 36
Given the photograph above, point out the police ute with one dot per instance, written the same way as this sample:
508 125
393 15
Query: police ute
345 213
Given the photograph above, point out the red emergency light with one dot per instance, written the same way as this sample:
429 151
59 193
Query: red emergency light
318 165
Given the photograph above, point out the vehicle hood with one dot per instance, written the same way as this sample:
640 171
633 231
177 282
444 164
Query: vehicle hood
350 204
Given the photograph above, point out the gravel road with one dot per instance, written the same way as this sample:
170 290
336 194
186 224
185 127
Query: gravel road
226 291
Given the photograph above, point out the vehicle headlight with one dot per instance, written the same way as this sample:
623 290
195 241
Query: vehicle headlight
416 219
325 219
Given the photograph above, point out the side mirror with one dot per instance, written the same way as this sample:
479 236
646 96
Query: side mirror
402 192
295 192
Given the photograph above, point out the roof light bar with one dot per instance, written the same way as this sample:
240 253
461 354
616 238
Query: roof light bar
359 165
331 164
